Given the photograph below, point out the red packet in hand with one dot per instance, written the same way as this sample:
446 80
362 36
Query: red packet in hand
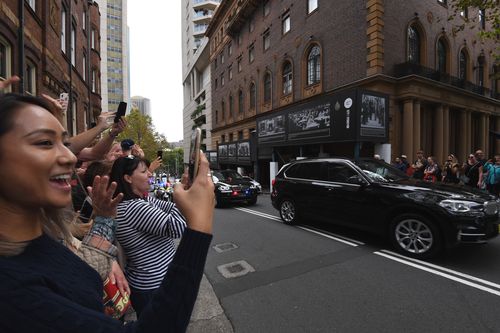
115 304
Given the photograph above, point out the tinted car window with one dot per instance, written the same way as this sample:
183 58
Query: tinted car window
338 172
380 171
305 171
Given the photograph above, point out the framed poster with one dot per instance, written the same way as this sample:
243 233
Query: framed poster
373 122
313 121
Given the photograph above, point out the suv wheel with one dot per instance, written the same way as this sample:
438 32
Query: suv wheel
415 236
288 211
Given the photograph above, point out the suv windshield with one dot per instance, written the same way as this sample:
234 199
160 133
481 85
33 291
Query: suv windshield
227 175
379 171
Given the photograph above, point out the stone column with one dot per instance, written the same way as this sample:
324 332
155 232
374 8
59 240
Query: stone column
437 128
446 133
417 145
482 133
462 138
407 132
487 136
468 133
497 129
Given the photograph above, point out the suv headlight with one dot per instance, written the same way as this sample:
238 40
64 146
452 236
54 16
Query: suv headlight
225 188
252 186
459 206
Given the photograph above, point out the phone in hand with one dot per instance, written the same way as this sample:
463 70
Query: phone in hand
122 108
159 154
194 154
64 100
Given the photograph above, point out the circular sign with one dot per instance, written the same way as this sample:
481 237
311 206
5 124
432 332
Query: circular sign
348 103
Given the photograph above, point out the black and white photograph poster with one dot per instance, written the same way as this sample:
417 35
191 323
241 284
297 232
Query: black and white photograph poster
313 118
272 126
223 150
243 149
372 114
232 150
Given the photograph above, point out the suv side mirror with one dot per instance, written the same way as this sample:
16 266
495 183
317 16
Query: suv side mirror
356 179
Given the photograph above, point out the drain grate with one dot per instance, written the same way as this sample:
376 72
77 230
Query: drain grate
224 247
235 269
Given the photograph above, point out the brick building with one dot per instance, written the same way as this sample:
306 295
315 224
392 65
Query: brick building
59 53
322 78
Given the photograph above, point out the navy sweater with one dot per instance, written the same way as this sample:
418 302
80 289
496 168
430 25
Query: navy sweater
49 289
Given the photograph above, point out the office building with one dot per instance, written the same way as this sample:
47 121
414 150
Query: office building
143 104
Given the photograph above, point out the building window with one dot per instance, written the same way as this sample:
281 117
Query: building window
32 4
253 96
251 25
93 39
63 30
230 70
240 40
314 65
480 71
5 61
216 116
482 19
223 111
413 45
266 39
84 20
230 49
216 82
241 102
442 2
239 64
267 87
251 53
240 135
312 5
215 62
442 55
84 67
222 80
94 83
73 45
287 78
231 105
223 138
74 130
30 78
222 57
266 8
285 23
464 13
231 137
462 65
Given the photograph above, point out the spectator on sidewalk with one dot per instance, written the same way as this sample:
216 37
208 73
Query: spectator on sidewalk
480 157
43 285
473 172
451 170
419 165
492 175
431 171
398 164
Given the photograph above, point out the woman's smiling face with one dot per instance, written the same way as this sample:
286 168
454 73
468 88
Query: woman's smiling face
36 164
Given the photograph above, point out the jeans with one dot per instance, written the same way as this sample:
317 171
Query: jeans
140 299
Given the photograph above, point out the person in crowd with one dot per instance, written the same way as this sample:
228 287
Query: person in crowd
492 175
480 157
44 286
146 229
451 170
399 164
431 171
472 172
404 161
376 156
419 165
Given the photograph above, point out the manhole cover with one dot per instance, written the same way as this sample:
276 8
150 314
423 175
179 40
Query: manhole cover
224 247
235 269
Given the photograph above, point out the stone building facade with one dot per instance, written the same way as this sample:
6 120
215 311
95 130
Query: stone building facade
274 57
59 52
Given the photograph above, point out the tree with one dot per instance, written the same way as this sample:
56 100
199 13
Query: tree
172 161
491 18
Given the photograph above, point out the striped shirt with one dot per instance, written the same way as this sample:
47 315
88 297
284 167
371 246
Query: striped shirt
146 229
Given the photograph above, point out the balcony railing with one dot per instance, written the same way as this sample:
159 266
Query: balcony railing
408 68
200 27
201 1
201 14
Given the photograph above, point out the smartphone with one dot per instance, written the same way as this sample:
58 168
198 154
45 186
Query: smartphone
64 100
122 108
159 154
194 154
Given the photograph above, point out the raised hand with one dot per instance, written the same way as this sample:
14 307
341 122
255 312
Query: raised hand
118 127
155 164
8 82
101 193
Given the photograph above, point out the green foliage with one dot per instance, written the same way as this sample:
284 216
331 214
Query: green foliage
172 161
492 19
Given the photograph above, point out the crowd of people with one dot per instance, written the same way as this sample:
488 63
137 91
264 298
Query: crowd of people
77 220
477 171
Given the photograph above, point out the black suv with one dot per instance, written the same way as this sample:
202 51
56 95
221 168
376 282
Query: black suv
231 187
420 218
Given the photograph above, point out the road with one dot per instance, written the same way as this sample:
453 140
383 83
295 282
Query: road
318 278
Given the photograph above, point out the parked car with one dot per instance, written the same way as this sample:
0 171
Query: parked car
420 218
255 183
230 187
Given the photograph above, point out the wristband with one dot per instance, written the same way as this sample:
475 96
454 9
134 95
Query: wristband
110 132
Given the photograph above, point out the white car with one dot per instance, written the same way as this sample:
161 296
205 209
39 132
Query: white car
255 183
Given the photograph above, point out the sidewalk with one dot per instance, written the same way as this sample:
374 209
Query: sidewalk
208 316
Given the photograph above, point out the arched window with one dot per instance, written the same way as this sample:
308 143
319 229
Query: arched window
253 96
287 78
241 102
442 55
480 71
462 65
413 45
231 105
313 65
223 109
267 87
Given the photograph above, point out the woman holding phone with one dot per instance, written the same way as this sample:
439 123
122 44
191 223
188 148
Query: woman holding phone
44 286
146 229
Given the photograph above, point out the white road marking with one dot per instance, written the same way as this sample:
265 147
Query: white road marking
439 273
341 239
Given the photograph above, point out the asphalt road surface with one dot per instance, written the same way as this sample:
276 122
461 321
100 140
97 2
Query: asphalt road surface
270 277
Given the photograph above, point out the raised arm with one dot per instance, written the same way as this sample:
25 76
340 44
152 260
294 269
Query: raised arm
101 148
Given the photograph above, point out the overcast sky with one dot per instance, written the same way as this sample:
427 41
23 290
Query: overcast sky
155 61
